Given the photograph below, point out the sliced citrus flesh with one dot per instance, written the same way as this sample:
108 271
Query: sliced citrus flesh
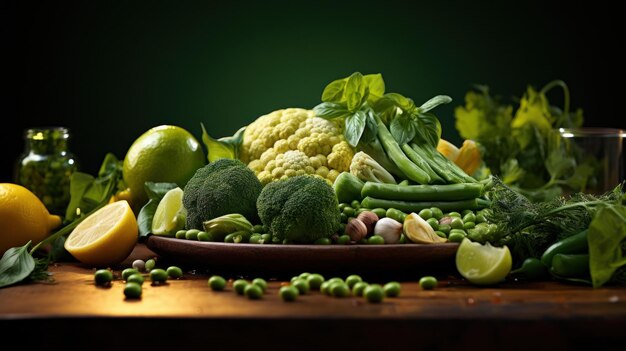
106 237
170 214
483 264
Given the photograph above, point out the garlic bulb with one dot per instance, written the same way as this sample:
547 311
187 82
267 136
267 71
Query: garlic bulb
389 229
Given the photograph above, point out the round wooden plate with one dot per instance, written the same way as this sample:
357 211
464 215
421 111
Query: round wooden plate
300 258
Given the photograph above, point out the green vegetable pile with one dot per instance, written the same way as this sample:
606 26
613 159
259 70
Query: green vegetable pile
524 147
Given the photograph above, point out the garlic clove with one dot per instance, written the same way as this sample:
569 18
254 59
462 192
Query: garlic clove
368 218
389 229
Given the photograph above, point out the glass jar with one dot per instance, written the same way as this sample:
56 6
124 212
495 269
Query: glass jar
46 166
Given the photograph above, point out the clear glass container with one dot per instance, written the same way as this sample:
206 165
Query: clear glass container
604 148
46 166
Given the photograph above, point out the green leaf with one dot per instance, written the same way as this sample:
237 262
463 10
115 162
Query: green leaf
559 163
155 192
370 133
376 86
16 264
607 232
429 128
334 91
354 91
434 102
406 104
355 125
226 147
330 110
402 129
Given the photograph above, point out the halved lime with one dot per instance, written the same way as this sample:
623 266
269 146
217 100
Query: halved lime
170 215
483 264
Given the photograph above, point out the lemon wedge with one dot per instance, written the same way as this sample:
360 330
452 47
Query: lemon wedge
106 237
483 264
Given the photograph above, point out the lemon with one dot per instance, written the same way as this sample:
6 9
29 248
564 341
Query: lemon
23 217
164 153
483 264
106 237
170 215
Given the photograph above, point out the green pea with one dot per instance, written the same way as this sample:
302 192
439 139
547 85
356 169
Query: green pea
374 293
158 275
324 287
343 218
266 229
454 214
376 240
294 278
396 214
361 210
302 286
260 282
426 213
253 291
392 289
428 282
403 239
266 238
255 238
353 279
469 225
315 281
358 288
192 234
174 272
103 277
257 228
355 204
128 272
339 289
135 278
289 293
336 279
239 285
466 212
380 212
343 240
181 234
444 228
217 283
132 290
348 211
362 241
455 237
441 234
437 213
322 241
456 223
230 238
150 264
470 217
434 223
460 231
342 229
342 206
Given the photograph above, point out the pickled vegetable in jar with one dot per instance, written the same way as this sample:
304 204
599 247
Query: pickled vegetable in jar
46 166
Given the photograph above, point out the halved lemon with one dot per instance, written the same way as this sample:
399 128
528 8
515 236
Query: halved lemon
106 237
483 264
170 214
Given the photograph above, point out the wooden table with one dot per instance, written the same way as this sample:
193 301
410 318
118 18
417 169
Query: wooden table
73 313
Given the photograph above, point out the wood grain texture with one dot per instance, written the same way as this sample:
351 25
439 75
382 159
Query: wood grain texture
455 314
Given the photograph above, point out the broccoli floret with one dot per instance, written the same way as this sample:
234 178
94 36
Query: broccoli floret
219 188
300 209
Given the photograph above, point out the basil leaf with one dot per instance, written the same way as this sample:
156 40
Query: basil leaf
355 124
406 104
607 231
402 129
16 264
330 110
334 91
371 127
376 86
155 192
227 147
429 128
434 102
355 89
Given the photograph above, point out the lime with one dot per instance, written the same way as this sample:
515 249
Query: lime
165 153
170 214
483 264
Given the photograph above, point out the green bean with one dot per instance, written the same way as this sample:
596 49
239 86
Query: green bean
447 192
421 163
408 206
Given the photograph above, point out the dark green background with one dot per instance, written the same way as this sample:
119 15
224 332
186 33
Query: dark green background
110 70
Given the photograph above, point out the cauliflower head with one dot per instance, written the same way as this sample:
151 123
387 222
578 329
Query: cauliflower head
292 142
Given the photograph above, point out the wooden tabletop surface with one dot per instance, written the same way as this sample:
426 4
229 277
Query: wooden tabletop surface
512 314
